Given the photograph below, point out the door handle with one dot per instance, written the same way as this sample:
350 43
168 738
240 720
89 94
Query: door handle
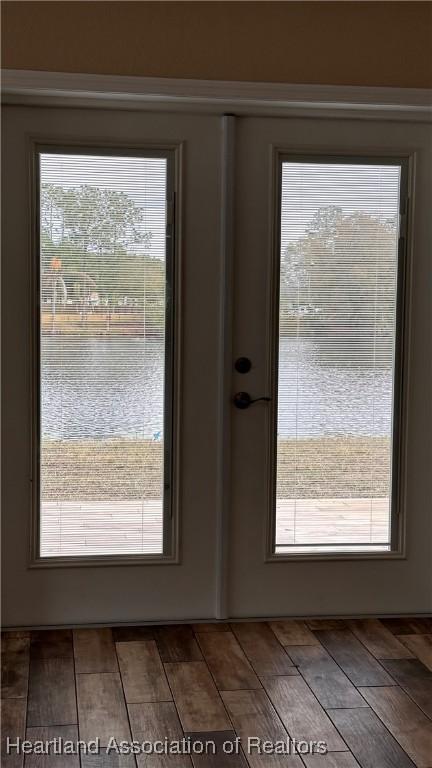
243 400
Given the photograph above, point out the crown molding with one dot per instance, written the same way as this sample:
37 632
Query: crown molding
27 87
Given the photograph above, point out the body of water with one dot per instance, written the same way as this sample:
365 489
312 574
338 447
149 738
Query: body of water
113 388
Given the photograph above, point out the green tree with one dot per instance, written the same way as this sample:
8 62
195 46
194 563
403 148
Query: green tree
346 261
92 219
342 274
99 237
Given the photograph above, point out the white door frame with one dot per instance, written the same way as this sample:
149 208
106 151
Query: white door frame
410 106
39 88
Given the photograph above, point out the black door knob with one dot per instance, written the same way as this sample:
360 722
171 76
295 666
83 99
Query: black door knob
243 400
242 365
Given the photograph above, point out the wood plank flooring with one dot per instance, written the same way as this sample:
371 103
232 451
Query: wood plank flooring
362 687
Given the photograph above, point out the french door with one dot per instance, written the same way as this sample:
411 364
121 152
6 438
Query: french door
112 227
328 501
179 268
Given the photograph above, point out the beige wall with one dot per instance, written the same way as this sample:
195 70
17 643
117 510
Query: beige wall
348 43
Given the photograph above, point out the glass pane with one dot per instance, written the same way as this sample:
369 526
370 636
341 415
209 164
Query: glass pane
337 333
103 272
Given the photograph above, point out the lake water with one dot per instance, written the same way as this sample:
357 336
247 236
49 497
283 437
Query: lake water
112 388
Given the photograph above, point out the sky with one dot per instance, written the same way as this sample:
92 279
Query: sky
306 187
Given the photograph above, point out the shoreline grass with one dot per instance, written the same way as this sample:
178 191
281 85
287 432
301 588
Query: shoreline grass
121 469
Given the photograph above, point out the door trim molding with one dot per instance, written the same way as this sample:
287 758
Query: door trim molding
401 371
40 88
171 555
228 129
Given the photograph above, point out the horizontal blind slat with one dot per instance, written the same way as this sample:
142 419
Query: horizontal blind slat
103 312
337 335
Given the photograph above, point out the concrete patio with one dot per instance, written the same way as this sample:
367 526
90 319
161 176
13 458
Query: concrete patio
98 528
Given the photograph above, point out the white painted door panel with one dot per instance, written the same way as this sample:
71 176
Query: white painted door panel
259 586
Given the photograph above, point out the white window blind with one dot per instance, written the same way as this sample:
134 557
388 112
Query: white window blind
104 353
336 353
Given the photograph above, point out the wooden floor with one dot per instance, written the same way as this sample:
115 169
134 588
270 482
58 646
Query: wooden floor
364 687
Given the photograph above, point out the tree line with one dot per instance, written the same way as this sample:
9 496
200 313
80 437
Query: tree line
343 269
95 239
